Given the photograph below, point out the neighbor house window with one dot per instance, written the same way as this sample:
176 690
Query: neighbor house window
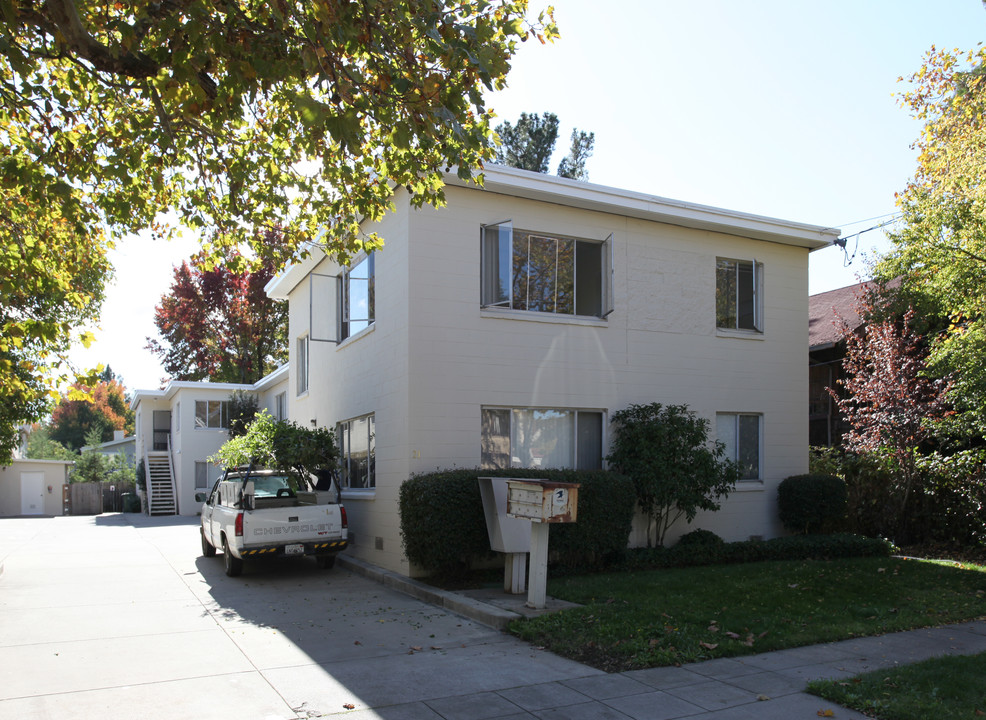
177 418
281 406
302 365
529 438
541 272
212 414
738 295
740 433
357 452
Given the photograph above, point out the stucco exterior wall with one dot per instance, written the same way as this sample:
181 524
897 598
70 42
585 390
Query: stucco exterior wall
55 477
434 358
366 373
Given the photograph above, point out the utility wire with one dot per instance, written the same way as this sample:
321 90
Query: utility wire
843 242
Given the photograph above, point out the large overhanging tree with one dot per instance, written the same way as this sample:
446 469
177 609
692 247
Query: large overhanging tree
939 248
240 115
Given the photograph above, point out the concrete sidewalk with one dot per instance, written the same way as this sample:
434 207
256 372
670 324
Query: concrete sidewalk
118 616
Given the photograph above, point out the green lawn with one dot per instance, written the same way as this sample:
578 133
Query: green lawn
667 617
949 687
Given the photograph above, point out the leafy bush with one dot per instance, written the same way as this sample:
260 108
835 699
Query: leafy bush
795 547
700 538
954 502
282 445
869 488
443 525
812 504
676 471
950 509
96 467
242 411
442 522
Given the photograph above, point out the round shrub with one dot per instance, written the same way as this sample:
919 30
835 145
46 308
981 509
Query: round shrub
700 538
812 504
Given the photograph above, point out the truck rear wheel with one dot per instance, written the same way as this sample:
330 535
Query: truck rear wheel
207 548
326 562
234 565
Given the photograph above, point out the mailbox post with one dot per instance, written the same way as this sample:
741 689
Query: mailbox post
542 503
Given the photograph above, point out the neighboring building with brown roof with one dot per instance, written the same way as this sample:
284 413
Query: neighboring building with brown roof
828 314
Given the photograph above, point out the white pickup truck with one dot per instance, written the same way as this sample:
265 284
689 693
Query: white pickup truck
267 513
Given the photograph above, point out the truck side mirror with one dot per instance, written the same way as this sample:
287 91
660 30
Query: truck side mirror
200 497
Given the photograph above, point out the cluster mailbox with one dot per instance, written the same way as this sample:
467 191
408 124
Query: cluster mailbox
543 501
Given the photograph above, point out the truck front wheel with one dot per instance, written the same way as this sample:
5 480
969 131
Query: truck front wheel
208 550
234 565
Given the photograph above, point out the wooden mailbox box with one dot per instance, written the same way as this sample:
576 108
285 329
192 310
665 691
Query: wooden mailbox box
543 502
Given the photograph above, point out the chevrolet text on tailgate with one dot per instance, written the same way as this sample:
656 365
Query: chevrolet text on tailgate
269 513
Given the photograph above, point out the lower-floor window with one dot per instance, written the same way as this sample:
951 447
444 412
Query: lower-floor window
740 433
548 438
357 451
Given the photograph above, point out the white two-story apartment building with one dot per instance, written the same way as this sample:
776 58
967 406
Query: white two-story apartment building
179 428
505 329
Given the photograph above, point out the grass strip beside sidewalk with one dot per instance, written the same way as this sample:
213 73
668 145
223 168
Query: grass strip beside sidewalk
668 617
947 687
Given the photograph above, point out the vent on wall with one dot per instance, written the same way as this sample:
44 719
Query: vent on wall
378 543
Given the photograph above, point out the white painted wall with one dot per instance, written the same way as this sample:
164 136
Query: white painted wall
434 358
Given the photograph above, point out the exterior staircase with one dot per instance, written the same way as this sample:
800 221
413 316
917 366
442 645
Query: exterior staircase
161 498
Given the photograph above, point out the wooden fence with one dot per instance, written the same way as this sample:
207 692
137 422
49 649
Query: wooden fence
93 498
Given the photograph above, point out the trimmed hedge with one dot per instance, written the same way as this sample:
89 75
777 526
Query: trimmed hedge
792 547
443 526
812 504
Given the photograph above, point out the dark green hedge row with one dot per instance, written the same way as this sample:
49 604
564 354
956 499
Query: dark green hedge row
444 529
792 547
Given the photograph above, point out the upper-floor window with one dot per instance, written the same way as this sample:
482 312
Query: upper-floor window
548 438
542 272
357 297
357 452
302 365
342 305
740 433
739 304
212 414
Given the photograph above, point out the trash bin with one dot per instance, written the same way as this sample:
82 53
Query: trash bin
130 502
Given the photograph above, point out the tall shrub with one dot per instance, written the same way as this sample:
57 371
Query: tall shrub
675 468
812 504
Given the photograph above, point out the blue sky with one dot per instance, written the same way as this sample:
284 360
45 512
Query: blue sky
778 108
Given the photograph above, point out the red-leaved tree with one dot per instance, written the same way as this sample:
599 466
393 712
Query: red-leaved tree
91 414
220 325
889 400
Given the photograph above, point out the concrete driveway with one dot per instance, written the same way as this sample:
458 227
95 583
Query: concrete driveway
119 616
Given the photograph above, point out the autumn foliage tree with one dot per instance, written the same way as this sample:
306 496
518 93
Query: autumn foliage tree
890 402
52 273
219 324
102 408
238 117
939 245
244 114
